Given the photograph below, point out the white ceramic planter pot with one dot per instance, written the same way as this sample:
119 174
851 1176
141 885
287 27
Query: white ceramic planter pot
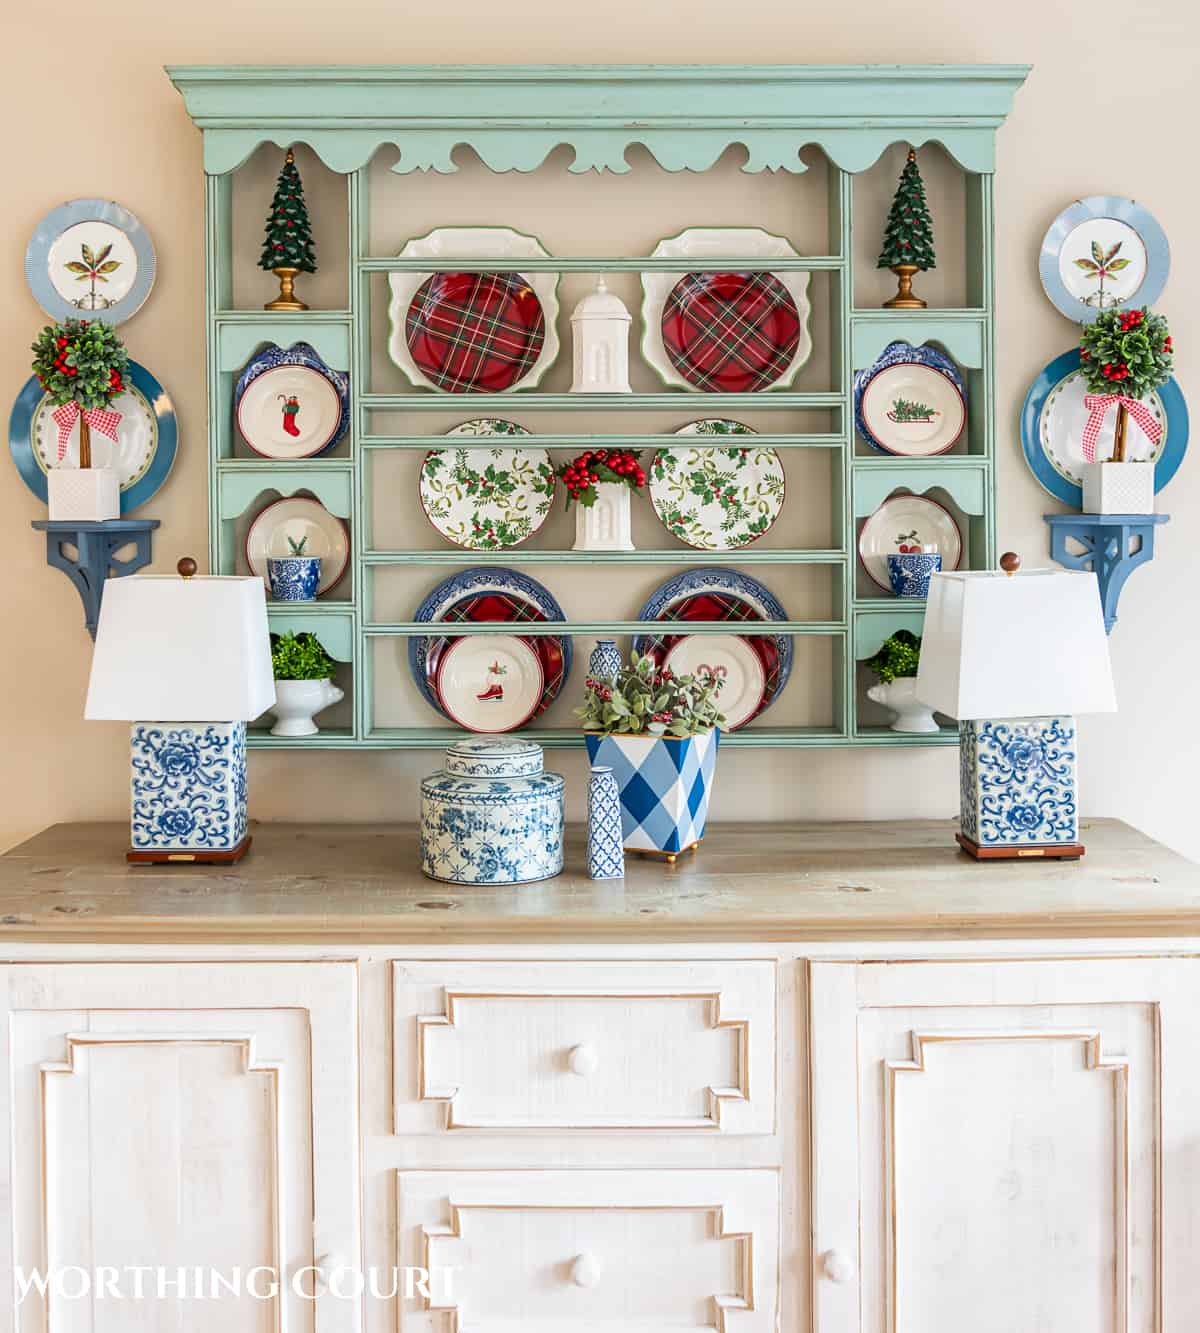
83 495
900 695
1118 488
606 525
297 700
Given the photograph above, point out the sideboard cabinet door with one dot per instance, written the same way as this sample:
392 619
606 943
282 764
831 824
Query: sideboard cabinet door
1006 1145
195 1121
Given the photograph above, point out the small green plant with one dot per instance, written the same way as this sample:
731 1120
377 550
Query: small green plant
298 546
1128 353
898 656
656 702
300 657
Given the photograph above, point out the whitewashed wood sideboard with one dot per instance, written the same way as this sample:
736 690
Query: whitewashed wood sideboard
829 1076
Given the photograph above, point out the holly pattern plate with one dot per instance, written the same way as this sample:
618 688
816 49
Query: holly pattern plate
717 497
487 498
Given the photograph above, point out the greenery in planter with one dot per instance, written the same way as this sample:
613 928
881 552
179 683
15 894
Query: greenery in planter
646 700
300 657
1128 353
898 656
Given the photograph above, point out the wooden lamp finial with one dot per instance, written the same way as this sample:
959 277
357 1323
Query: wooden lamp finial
1010 562
187 567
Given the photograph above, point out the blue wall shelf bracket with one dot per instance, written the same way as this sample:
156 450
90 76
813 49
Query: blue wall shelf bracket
1114 545
95 559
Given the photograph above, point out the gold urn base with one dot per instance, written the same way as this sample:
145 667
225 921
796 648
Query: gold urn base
287 298
904 298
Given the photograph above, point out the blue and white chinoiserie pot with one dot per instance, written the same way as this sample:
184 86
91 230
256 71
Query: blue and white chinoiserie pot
294 578
910 571
604 662
492 815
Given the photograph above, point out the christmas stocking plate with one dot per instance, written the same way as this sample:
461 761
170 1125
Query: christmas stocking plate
290 404
911 403
490 682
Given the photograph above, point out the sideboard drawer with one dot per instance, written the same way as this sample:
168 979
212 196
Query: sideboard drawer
634 1251
580 1046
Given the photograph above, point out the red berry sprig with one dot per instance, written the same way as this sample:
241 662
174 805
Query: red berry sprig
583 474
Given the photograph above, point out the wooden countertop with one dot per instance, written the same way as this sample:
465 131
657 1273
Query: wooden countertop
331 883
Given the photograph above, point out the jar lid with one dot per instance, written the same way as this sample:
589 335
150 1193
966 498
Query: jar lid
490 757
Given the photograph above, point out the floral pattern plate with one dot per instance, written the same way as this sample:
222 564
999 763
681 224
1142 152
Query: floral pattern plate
907 522
490 684
300 519
474 332
734 661
289 404
717 497
732 332
147 438
1101 253
487 498
912 402
1052 428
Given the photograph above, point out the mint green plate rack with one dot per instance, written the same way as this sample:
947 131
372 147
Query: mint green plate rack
513 117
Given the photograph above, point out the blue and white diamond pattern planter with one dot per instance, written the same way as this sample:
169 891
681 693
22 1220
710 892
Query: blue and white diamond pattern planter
188 786
664 783
1018 782
606 855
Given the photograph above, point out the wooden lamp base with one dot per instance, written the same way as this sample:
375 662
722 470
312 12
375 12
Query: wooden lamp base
163 857
1048 851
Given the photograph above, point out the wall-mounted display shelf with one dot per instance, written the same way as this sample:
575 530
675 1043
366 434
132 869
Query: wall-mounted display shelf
89 554
600 163
1111 546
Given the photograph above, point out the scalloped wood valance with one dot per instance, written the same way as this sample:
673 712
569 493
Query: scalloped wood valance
514 116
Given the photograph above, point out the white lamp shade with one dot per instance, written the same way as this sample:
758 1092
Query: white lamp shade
170 649
1021 645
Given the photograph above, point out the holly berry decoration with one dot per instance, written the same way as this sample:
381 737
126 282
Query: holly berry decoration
1127 352
288 241
582 475
80 361
908 235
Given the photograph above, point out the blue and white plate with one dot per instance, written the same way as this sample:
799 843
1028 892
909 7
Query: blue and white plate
912 402
468 585
1052 430
90 259
289 404
147 438
1102 253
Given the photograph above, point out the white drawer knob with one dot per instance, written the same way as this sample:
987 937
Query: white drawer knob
583 1060
585 1271
838 1266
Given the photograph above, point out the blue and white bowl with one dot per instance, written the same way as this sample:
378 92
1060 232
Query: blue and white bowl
294 578
910 572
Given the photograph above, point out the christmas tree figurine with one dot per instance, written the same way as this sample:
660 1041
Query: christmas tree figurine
908 236
287 247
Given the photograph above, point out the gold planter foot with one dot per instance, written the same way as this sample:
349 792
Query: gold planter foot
287 299
904 298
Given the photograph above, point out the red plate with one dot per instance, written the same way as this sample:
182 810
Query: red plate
720 606
501 607
730 332
475 332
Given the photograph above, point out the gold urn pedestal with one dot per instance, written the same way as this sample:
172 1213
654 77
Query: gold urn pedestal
287 298
904 298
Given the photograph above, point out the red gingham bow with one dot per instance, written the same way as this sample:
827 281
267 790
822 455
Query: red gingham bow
1098 404
98 418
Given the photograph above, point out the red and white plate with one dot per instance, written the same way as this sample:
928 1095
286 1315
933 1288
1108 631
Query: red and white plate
731 659
490 683
908 522
300 519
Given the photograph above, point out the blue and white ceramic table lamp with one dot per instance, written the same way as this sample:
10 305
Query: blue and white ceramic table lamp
188 661
1014 657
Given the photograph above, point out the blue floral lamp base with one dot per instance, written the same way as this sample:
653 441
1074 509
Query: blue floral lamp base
188 790
1018 794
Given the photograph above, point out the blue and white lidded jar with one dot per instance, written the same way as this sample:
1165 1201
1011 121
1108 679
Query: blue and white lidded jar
604 662
492 815
606 852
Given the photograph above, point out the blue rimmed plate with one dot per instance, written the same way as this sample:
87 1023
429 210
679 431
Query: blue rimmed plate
1052 422
289 404
911 403
147 438
1101 253
485 594
90 259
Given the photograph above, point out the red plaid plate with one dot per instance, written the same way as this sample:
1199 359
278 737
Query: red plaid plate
475 332
730 332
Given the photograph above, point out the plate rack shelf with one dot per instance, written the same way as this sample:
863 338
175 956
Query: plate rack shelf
685 118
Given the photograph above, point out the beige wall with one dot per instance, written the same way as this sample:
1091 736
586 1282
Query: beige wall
1107 109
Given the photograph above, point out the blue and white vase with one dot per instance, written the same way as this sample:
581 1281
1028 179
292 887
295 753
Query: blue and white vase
910 571
605 851
492 816
294 578
664 784
604 662
188 786
1018 781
